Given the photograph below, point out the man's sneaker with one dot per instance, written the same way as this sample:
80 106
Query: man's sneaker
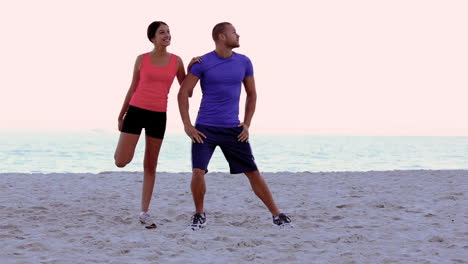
198 221
146 219
282 220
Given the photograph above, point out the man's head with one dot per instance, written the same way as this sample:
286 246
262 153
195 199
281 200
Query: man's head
225 33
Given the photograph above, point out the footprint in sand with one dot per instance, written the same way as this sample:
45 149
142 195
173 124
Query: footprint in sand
171 212
34 247
344 206
355 238
337 217
249 243
356 226
35 218
449 197
39 208
182 217
119 219
222 239
124 251
436 239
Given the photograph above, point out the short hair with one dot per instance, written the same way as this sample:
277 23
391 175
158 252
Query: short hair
218 29
153 27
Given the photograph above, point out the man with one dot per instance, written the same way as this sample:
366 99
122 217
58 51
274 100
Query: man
222 73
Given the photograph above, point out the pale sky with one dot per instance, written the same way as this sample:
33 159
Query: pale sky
321 67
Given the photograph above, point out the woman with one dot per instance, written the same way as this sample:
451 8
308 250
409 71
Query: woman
145 107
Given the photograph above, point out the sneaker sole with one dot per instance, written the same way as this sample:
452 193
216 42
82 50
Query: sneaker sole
285 225
197 227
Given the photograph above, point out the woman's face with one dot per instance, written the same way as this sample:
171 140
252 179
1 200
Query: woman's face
162 36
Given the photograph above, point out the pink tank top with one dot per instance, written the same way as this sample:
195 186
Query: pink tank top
154 84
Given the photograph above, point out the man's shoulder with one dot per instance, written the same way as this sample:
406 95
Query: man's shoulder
241 56
208 55
206 60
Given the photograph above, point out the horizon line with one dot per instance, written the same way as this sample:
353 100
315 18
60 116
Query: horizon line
261 133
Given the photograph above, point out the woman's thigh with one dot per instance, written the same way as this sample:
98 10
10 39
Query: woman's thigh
125 148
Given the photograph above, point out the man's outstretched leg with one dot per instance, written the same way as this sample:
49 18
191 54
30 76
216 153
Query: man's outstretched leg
261 189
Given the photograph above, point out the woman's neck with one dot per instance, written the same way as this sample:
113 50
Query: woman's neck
159 51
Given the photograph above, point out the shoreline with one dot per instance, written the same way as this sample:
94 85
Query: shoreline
410 216
225 172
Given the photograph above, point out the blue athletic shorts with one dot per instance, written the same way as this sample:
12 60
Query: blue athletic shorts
238 154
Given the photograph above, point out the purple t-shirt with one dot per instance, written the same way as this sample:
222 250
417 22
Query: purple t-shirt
221 83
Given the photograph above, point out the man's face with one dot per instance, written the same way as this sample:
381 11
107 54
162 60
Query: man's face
232 38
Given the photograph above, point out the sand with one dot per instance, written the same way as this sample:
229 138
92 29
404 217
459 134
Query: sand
340 217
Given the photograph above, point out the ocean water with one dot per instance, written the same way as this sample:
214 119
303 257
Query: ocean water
42 152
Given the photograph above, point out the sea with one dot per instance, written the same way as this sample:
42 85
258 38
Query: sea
92 152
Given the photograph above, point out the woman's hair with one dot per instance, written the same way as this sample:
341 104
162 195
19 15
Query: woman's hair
153 27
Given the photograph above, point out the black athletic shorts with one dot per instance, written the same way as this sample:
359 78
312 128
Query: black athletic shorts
136 119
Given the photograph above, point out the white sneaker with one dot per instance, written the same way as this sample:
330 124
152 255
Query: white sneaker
146 219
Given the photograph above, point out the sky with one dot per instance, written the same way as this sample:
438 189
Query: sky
321 67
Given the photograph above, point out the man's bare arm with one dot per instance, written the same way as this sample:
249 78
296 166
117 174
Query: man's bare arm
185 92
250 104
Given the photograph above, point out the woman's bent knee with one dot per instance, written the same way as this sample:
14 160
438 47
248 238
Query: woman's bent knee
121 163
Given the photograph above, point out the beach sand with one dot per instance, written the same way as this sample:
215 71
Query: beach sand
340 217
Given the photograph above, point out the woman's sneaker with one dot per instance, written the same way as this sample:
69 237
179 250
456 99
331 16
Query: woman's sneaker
282 220
198 221
146 219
